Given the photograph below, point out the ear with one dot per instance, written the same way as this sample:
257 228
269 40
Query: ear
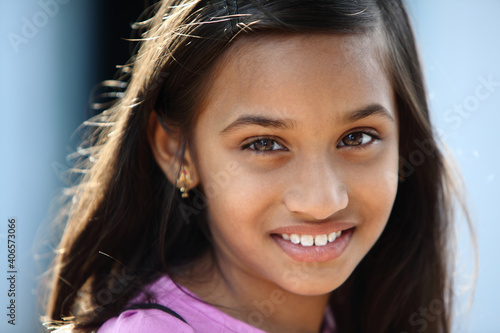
166 145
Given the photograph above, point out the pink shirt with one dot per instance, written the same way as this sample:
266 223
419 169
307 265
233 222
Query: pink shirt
200 316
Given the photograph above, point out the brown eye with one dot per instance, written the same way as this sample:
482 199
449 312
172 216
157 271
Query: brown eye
356 139
264 144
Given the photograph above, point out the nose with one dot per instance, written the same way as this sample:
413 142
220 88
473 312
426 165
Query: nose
317 190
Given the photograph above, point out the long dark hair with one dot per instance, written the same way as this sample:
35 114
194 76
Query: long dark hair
123 229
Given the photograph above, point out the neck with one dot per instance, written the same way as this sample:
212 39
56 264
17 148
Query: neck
257 302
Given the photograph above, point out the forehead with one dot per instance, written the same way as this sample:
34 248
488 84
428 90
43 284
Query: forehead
326 50
298 72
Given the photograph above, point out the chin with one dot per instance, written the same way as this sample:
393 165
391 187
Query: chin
312 284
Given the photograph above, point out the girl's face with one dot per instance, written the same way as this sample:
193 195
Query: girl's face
297 141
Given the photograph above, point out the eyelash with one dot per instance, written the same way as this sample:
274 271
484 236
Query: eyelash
371 133
374 137
247 146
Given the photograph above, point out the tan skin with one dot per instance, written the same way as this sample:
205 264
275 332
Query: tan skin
320 160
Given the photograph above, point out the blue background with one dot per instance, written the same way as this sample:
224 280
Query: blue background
45 85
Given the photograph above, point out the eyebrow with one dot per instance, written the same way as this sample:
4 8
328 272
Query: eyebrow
248 120
370 110
263 121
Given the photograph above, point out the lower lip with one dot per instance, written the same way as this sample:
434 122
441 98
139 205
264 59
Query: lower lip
315 253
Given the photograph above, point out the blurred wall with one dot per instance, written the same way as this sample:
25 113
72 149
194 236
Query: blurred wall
52 53
460 44
44 86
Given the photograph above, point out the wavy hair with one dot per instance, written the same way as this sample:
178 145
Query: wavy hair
122 226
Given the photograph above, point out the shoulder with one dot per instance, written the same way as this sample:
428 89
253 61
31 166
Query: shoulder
145 320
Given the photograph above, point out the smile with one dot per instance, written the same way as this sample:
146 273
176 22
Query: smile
310 240
314 247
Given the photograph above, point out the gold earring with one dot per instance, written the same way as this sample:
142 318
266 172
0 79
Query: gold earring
184 181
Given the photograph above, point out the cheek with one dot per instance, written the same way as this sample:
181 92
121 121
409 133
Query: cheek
238 220
372 192
237 199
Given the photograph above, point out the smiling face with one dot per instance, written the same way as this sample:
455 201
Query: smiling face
297 143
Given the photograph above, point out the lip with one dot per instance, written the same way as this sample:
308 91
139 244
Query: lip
315 253
314 229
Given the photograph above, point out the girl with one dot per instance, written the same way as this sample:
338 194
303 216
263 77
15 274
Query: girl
270 166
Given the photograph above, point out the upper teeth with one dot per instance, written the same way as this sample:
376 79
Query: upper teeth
308 240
